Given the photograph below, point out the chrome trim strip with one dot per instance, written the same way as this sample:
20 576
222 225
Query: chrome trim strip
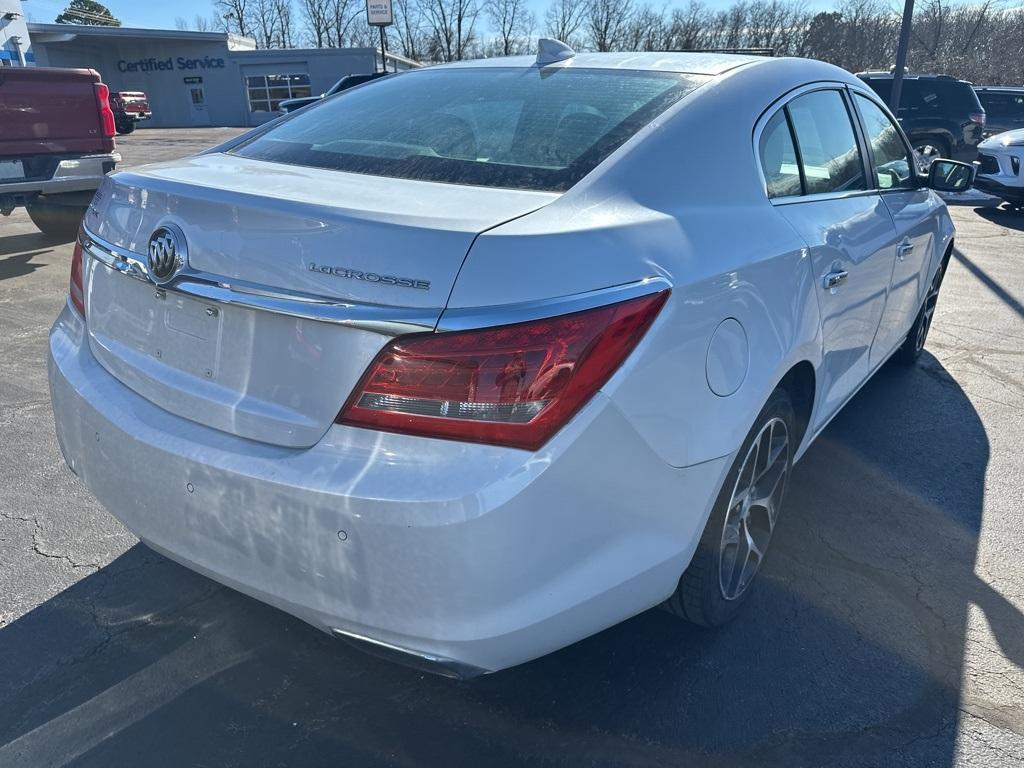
389 321
506 314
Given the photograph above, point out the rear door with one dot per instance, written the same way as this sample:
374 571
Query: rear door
912 207
847 228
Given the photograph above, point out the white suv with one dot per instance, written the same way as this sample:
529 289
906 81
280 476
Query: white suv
1000 158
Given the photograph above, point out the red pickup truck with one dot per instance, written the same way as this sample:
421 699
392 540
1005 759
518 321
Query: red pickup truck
129 108
56 144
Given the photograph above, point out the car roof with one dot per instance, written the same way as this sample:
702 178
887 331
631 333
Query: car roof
695 63
1000 88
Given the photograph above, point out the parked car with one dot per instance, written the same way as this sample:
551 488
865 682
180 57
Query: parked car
130 107
56 144
348 81
484 364
940 114
999 163
1004 108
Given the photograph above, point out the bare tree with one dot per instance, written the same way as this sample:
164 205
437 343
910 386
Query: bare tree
316 21
340 16
646 30
452 26
234 15
513 21
262 20
409 29
283 20
607 22
199 23
564 19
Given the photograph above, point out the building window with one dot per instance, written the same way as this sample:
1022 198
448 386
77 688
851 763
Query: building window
266 92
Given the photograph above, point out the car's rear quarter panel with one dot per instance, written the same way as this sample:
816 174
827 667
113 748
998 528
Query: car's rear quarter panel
670 204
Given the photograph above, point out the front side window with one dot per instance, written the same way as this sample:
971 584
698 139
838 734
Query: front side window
829 154
778 158
494 127
893 164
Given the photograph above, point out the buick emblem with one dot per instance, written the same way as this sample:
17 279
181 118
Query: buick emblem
167 253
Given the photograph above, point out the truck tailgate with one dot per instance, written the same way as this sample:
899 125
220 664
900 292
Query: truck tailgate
50 111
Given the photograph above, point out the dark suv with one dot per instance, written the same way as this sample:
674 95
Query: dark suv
940 114
1004 108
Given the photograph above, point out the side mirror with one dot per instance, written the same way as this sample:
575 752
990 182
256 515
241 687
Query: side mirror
950 175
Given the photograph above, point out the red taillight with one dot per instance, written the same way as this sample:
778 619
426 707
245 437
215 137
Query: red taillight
977 117
106 113
515 385
76 287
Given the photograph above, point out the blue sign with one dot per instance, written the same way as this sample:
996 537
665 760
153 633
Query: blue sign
169 64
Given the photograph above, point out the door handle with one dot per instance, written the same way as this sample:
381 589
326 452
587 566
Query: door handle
834 279
904 250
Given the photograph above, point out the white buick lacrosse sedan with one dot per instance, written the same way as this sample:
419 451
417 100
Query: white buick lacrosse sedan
469 363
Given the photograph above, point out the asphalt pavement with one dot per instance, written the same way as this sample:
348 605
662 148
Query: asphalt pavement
887 629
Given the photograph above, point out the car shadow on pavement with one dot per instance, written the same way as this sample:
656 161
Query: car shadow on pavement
20 264
17 253
850 651
1013 218
37 241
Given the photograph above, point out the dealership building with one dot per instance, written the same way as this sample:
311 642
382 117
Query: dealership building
190 78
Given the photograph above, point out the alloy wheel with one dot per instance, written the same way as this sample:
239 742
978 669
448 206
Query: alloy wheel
753 508
926 154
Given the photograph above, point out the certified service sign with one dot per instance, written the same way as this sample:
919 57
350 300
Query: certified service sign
379 13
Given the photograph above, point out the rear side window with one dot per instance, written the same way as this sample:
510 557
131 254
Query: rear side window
939 97
778 158
488 126
829 154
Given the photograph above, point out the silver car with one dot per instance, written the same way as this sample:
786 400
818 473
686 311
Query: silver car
479 360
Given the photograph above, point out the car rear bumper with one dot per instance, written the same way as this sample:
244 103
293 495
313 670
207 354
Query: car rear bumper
76 174
470 558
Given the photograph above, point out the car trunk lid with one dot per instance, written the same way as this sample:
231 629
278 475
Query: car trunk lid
343 247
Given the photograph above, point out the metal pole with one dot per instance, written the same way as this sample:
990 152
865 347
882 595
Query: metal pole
383 49
901 57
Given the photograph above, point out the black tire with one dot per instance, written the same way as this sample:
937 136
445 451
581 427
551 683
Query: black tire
700 596
912 347
126 127
59 216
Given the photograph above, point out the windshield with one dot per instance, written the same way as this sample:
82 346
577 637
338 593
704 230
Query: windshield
517 128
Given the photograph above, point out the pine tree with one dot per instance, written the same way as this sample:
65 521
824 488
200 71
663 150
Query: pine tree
88 12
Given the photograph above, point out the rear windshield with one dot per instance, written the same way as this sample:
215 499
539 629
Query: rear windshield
928 95
1002 103
491 127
